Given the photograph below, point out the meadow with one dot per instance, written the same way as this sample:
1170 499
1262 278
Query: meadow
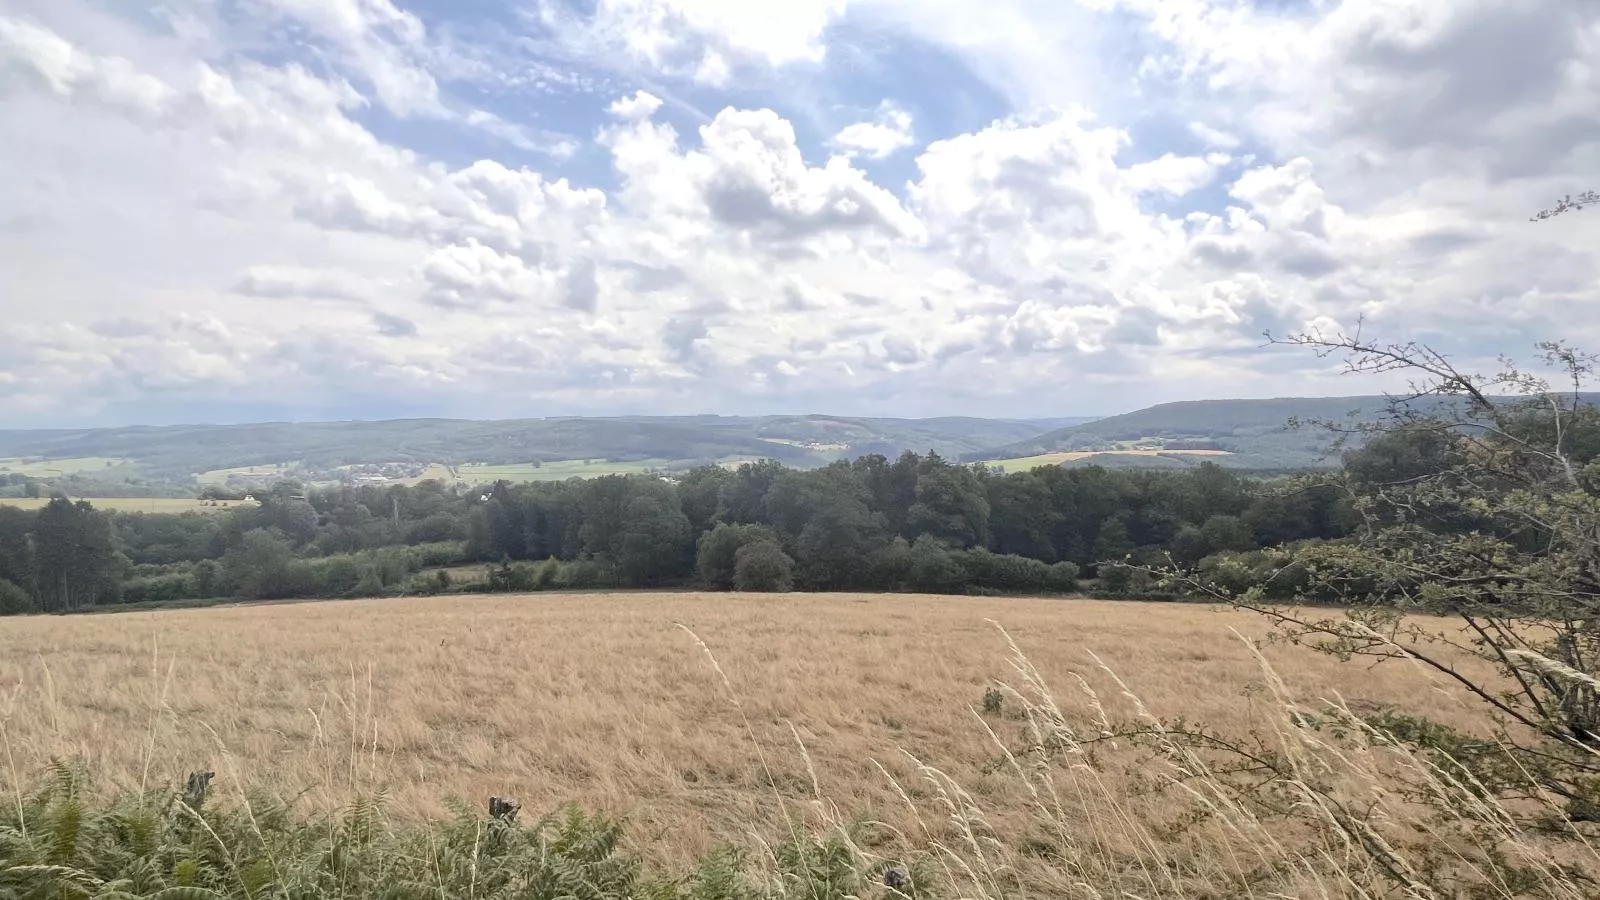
1025 463
222 476
138 504
701 717
472 474
55 468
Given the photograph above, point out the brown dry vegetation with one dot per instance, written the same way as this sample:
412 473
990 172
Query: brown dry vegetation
604 700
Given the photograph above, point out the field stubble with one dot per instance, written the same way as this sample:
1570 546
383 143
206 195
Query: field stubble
609 701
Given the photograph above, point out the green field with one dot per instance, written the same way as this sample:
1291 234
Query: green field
560 470
137 504
56 468
221 476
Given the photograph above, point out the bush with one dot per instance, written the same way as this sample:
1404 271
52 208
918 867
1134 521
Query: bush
586 573
888 567
13 599
1062 578
933 568
763 566
1122 578
158 588
512 578
988 572
1277 573
439 553
545 574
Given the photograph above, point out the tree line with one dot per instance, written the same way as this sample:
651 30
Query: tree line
916 522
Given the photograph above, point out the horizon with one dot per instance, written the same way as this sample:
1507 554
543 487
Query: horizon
373 209
703 415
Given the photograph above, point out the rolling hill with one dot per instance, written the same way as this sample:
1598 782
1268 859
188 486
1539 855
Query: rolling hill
176 454
1255 434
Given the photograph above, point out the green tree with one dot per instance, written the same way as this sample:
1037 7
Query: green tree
654 543
933 569
717 551
260 566
76 559
1225 532
18 564
742 498
763 566
951 505
1112 542
833 544
1022 518
14 600
700 492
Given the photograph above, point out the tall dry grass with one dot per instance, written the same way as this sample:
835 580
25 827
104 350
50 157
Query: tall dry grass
835 709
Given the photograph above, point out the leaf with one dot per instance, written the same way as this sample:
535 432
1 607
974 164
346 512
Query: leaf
186 893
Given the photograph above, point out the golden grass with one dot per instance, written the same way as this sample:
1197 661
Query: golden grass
1026 463
605 700
56 468
138 504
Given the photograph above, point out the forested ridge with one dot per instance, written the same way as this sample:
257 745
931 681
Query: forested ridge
915 522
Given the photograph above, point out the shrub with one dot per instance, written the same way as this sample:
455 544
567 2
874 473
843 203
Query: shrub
512 578
157 588
763 566
993 700
13 599
1062 578
888 567
1122 578
545 574
438 553
586 573
933 568
988 572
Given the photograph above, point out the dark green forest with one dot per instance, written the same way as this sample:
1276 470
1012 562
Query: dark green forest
917 522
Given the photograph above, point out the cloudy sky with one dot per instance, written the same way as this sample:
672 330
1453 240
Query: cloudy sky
230 210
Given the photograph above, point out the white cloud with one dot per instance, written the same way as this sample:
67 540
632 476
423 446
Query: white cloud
292 282
704 40
463 276
642 105
888 132
188 225
749 176
1213 137
1176 175
67 70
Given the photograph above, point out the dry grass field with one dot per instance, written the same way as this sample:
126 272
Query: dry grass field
137 504
605 700
1028 463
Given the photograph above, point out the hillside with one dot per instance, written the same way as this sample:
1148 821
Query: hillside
173 455
1254 433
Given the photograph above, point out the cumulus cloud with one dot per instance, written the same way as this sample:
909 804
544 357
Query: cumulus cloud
705 41
749 175
467 276
195 224
887 133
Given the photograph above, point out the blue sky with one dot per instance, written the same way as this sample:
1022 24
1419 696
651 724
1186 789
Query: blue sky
226 210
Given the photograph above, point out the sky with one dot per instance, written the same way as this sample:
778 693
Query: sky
243 210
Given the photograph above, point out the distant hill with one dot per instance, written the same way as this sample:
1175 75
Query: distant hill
176 453
1254 433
